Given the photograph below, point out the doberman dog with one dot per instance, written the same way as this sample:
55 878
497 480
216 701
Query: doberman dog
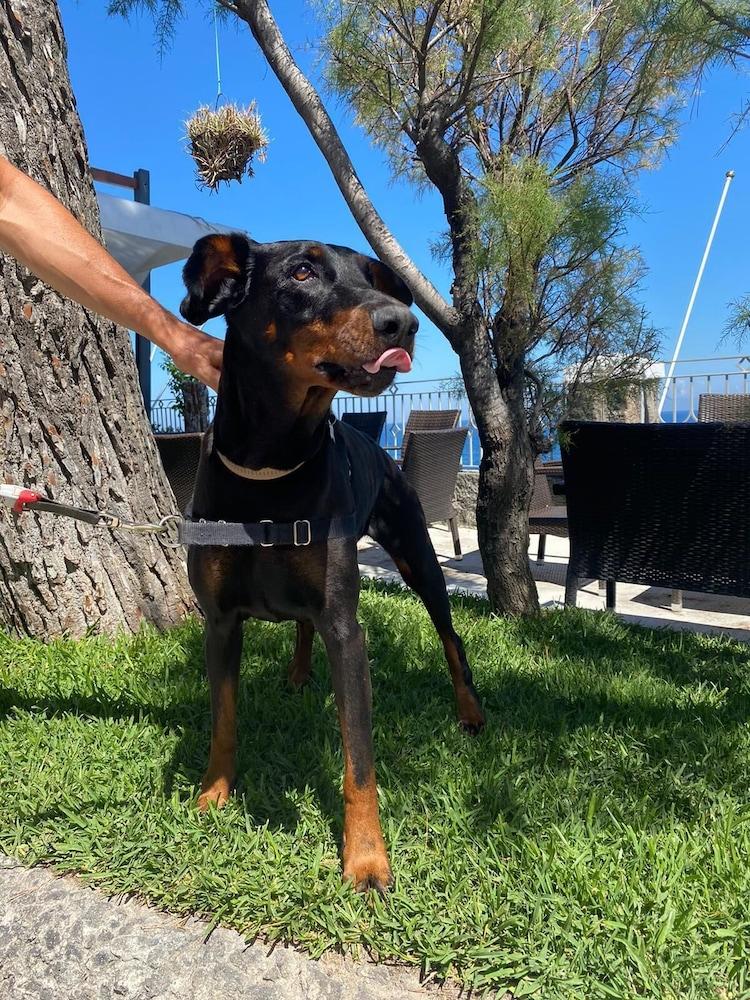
305 320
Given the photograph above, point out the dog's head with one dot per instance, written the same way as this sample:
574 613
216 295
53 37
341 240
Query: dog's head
333 317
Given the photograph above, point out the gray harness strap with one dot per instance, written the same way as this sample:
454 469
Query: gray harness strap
267 533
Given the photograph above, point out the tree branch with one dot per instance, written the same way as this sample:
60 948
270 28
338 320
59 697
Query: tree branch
309 106
719 18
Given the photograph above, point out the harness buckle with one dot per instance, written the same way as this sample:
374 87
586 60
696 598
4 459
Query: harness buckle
266 545
295 532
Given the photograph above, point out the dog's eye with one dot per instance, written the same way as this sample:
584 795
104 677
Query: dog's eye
302 272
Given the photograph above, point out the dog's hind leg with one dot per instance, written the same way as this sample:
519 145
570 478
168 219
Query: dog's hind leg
300 665
398 524
223 647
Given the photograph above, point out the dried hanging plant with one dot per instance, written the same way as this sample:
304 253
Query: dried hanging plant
223 142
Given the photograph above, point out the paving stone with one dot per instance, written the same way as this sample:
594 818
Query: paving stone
60 940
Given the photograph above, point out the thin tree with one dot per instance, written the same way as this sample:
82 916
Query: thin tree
530 119
72 420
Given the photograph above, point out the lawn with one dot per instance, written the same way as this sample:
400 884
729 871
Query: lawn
593 842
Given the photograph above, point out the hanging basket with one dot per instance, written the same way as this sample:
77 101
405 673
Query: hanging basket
223 142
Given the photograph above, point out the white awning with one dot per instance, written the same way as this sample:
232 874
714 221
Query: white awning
141 237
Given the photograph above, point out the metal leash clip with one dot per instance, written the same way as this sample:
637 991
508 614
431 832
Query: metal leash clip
22 499
166 529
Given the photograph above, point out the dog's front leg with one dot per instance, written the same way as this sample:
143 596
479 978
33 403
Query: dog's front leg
223 648
365 857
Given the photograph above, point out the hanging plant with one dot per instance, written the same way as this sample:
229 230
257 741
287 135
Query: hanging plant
223 142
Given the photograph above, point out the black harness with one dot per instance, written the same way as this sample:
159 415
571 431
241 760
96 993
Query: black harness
267 533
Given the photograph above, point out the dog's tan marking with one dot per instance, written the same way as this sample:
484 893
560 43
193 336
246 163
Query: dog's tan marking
365 857
222 246
219 778
470 714
300 665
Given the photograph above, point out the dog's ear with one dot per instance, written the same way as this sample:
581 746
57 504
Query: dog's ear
387 281
216 275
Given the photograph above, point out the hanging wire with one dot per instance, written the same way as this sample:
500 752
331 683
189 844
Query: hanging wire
219 94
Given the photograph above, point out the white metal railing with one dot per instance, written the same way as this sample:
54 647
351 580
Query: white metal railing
683 391
430 394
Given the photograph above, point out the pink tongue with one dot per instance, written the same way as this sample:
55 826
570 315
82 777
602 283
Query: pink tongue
394 357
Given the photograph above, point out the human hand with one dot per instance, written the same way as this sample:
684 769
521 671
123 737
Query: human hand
197 353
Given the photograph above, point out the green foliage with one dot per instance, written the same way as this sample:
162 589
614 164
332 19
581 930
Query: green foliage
738 324
519 215
592 842
165 15
720 29
177 380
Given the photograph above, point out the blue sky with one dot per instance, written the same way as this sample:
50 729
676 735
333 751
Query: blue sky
133 106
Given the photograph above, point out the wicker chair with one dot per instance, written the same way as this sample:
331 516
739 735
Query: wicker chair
368 423
431 463
180 454
667 505
730 408
429 420
547 513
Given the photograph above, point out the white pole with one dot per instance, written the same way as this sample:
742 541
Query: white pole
691 303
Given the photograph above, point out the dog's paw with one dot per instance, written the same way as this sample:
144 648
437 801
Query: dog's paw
298 673
214 793
368 871
470 717
471 726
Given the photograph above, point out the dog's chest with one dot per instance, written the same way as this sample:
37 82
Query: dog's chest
281 583
270 584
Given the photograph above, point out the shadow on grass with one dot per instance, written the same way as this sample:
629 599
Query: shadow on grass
572 699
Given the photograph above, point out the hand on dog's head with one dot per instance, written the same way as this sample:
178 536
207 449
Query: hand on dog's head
324 311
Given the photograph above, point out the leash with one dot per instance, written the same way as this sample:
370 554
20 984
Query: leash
21 499
173 530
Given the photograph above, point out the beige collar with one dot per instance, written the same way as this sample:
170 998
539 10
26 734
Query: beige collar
246 473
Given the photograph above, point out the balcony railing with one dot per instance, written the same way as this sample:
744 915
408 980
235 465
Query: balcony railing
732 376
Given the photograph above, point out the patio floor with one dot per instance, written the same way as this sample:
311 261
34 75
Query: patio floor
644 605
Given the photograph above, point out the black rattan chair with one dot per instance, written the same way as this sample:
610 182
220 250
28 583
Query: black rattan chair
667 505
729 408
431 463
547 513
180 454
429 420
368 423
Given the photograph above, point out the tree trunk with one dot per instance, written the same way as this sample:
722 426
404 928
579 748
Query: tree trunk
506 473
195 406
72 421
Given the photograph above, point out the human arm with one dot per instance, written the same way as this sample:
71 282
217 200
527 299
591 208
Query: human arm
41 233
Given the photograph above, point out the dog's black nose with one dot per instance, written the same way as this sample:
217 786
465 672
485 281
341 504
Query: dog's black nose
393 322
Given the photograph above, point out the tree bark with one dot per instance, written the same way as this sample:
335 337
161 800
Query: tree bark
195 406
72 421
506 472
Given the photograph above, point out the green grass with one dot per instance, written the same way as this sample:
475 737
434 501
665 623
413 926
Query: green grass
593 842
